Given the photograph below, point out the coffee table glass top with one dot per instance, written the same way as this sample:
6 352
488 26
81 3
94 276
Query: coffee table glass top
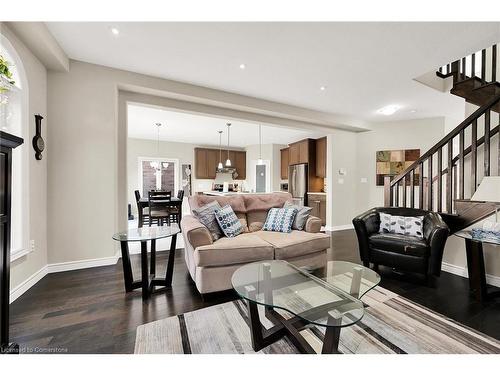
328 300
147 233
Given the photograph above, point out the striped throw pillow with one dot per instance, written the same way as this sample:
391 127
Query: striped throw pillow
280 220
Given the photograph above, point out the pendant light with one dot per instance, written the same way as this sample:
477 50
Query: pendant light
220 166
155 164
260 161
228 161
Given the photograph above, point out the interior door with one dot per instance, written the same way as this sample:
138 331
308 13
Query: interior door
260 178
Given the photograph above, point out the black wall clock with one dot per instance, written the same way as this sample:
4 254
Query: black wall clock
38 143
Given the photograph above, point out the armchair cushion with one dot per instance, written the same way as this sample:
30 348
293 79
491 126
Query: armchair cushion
399 243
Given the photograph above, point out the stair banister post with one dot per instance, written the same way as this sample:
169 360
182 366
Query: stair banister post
387 192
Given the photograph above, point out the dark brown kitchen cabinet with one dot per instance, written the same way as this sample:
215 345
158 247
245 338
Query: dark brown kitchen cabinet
7 143
212 161
321 157
285 153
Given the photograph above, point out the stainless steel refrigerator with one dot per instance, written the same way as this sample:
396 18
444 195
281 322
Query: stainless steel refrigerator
297 183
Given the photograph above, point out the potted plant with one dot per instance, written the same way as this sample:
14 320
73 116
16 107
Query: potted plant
5 74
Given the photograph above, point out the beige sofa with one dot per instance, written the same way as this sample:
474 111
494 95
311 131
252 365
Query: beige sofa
212 263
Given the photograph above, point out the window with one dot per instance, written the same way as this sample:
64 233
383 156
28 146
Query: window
14 120
165 178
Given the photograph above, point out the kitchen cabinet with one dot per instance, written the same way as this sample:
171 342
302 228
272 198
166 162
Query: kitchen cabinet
300 152
318 204
293 157
241 164
321 157
285 152
212 161
207 159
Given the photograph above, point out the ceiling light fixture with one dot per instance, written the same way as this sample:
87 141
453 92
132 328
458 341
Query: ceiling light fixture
155 163
228 161
413 111
242 66
115 31
220 166
322 88
260 161
389 110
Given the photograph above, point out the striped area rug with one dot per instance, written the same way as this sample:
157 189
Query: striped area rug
391 324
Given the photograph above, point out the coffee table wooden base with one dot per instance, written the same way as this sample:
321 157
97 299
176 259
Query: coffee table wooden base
262 337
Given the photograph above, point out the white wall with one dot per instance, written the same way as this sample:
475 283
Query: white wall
398 135
270 152
26 266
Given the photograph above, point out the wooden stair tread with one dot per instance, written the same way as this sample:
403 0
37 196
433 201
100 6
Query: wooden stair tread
474 91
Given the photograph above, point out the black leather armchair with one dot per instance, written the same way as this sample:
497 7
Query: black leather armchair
406 253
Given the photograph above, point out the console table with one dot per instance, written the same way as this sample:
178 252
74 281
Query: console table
475 266
7 143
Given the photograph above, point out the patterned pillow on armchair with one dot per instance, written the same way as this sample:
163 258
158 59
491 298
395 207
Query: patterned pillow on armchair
280 220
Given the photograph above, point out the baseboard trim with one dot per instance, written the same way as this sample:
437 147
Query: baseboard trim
22 288
339 227
462 271
80 264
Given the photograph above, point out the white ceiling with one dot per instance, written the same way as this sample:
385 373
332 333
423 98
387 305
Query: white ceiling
365 66
202 130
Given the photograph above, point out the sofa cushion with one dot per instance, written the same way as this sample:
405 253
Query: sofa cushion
280 220
296 243
245 248
243 221
206 216
302 214
235 201
399 243
256 220
228 221
264 202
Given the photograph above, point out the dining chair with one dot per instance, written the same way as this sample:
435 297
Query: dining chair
159 209
145 210
175 211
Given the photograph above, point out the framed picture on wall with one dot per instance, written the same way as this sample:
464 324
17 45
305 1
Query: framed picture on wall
393 162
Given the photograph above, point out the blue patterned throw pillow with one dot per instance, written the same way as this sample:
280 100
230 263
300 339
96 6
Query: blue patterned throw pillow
228 221
280 220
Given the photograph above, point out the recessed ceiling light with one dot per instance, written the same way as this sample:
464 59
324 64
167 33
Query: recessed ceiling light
388 110
322 88
115 31
413 111
242 66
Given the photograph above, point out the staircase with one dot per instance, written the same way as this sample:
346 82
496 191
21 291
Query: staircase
446 177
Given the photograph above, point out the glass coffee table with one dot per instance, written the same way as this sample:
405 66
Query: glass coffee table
327 297
148 279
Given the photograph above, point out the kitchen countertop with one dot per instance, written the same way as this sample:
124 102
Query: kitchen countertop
316 192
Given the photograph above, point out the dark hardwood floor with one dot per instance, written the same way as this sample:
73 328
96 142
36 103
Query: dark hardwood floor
87 311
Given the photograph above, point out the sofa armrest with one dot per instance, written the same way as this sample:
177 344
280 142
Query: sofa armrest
313 224
436 233
365 225
195 232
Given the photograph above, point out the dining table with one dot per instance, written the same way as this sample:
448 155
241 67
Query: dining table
172 202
